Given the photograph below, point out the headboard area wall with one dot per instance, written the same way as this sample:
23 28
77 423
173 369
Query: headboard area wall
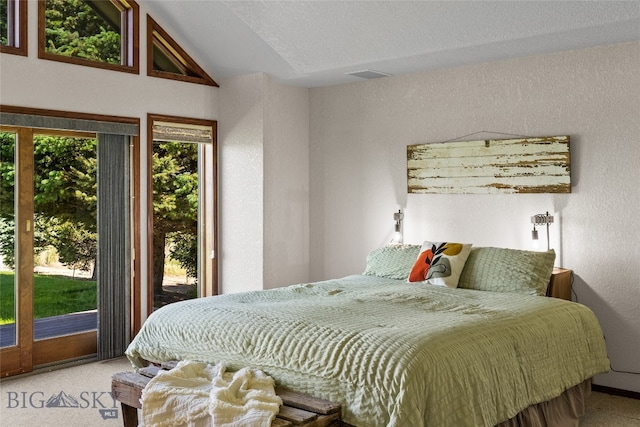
359 135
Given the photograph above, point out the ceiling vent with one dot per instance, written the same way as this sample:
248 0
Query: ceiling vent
368 74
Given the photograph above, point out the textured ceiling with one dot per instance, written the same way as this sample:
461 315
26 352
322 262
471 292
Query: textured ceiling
316 43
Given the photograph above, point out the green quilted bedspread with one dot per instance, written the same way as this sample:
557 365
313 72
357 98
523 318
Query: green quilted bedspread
392 353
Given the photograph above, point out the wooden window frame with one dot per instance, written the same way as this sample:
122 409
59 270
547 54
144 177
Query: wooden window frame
17 23
129 40
157 36
151 118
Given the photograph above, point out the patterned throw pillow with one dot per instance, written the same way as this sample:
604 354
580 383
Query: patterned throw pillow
440 263
391 262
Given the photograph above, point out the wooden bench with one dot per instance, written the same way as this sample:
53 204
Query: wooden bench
297 409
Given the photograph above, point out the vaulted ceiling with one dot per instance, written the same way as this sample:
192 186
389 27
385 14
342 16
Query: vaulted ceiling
316 43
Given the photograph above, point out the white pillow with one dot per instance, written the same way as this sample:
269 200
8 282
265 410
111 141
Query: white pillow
440 263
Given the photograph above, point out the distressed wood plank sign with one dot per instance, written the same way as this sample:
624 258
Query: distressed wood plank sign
490 166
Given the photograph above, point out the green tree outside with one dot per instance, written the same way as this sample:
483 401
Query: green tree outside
64 202
4 27
73 28
175 207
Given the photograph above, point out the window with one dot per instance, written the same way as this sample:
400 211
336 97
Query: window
101 34
13 27
166 59
182 210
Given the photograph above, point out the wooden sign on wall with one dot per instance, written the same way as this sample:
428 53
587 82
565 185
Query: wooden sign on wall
490 166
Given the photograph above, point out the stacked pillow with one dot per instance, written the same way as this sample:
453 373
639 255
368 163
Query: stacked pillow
508 270
392 262
459 265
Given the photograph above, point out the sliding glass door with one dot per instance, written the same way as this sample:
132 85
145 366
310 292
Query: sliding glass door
48 247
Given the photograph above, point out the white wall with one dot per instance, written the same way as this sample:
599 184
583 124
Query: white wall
286 203
264 183
240 184
358 138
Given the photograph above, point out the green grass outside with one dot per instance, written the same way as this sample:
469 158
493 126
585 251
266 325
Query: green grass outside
53 296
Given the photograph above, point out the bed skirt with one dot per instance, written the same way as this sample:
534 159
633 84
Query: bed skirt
565 410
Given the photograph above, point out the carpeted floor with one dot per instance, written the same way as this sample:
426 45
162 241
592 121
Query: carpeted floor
604 410
78 396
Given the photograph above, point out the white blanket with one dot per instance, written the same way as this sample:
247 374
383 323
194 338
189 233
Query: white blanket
196 394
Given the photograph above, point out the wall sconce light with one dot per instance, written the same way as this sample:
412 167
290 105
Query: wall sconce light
397 235
541 219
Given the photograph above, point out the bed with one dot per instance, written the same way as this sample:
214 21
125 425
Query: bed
399 353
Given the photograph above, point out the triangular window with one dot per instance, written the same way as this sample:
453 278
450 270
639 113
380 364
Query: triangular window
167 60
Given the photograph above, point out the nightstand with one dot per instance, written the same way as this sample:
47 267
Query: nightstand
560 284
